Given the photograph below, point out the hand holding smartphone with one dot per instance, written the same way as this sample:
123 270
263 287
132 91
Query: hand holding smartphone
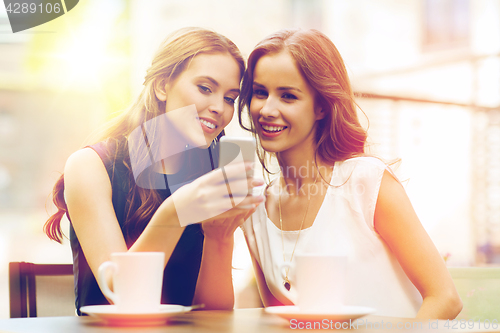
218 192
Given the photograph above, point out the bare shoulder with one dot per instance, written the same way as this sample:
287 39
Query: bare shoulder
81 159
393 207
84 169
391 188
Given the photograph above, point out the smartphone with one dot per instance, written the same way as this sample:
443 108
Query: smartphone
230 147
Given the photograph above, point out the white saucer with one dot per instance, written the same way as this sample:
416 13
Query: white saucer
110 314
345 313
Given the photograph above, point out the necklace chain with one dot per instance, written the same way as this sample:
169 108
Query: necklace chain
286 282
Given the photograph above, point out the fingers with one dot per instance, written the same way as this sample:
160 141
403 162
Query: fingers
231 183
236 171
254 182
217 193
222 227
232 176
250 202
249 213
241 188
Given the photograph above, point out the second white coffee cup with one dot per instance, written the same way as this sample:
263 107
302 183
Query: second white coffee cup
320 281
137 280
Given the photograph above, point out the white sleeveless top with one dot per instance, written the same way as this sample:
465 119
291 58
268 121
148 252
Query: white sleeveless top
344 226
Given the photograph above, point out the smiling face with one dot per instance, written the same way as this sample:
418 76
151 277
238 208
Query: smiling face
283 107
211 83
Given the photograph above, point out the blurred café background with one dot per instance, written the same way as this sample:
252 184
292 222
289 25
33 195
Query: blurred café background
426 74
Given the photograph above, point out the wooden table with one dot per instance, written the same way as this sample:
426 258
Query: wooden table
240 320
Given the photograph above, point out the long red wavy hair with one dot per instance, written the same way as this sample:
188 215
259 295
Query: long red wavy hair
339 135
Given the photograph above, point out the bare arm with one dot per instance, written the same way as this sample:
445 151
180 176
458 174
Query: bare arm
214 288
266 296
399 226
88 197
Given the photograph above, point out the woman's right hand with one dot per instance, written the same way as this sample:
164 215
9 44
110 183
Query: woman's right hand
208 196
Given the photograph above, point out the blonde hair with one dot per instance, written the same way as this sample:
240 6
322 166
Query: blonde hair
172 57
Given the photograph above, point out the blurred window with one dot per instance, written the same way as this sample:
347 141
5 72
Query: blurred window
446 24
486 185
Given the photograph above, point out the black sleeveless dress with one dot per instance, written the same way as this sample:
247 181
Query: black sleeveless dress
181 271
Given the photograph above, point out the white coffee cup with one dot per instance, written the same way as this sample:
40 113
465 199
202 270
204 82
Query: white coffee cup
137 280
320 281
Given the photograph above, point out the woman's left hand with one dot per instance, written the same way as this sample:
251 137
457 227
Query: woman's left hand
215 284
222 227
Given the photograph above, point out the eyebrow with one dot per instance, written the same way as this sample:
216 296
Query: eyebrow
279 88
211 79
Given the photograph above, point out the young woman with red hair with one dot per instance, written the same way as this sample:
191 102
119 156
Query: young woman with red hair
331 197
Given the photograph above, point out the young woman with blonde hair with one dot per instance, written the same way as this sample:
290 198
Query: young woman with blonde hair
297 93
135 187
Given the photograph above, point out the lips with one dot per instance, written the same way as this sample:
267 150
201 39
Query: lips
208 125
272 130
